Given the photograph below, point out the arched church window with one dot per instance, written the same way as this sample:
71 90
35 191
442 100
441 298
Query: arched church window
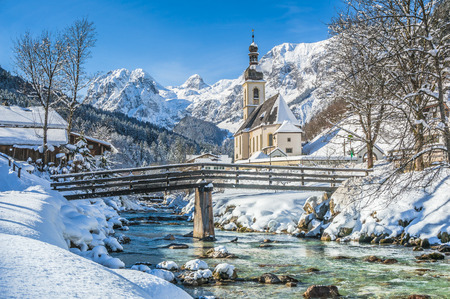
256 93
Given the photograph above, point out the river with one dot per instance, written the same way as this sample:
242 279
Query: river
339 264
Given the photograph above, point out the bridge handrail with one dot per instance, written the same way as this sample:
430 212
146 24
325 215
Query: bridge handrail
207 174
12 162
203 164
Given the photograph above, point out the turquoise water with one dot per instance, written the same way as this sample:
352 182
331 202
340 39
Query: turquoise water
339 264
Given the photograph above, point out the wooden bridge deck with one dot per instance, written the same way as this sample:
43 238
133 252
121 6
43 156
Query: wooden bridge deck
198 175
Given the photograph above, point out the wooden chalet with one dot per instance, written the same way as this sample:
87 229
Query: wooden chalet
96 147
21 133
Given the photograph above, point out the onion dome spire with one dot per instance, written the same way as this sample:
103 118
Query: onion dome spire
253 55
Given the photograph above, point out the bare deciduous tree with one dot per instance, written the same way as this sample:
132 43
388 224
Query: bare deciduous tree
39 60
79 40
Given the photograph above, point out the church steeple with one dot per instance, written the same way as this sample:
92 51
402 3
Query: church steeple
254 85
253 55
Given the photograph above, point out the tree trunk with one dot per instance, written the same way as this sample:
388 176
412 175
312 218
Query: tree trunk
369 156
69 123
442 111
419 164
45 138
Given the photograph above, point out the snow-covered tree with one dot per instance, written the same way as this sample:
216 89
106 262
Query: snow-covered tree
409 43
360 77
82 160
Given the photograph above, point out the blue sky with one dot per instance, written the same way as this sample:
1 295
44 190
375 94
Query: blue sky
172 39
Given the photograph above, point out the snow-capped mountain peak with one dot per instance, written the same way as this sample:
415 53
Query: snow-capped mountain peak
194 82
292 70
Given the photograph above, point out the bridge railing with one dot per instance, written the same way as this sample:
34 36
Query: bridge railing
192 175
13 163
169 167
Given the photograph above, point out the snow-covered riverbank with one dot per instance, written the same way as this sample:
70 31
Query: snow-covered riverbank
38 227
354 210
415 205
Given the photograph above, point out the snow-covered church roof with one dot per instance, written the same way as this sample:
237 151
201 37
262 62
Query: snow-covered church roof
273 111
288 127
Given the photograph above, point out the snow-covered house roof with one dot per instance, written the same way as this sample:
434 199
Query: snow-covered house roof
88 138
277 152
23 127
31 117
273 111
259 155
337 142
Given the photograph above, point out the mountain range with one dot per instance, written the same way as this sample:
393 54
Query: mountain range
292 70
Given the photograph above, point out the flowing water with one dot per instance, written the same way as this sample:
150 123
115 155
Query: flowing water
339 264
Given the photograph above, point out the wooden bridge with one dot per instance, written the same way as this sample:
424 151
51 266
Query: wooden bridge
202 177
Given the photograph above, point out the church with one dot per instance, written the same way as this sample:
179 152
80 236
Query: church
270 129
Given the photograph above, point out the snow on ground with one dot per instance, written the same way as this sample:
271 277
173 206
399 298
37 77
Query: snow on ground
257 210
415 211
37 227
34 269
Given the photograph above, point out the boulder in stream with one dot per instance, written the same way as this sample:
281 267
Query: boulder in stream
431 256
375 259
123 239
177 246
320 291
224 271
269 278
195 278
195 265
443 248
167 265
169 237
219 252
312 270
287 278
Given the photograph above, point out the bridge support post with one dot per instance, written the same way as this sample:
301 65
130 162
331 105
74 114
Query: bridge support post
203 217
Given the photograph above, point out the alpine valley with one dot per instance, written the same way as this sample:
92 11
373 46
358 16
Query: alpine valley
292 70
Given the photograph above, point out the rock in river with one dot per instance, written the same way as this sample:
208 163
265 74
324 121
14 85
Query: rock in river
168 265
319 291
269 278
177 246
224 272
431 256
219 252
169 237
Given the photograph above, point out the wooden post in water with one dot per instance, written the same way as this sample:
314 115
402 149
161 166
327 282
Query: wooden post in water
203 217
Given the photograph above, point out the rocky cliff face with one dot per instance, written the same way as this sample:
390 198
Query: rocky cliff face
293 70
